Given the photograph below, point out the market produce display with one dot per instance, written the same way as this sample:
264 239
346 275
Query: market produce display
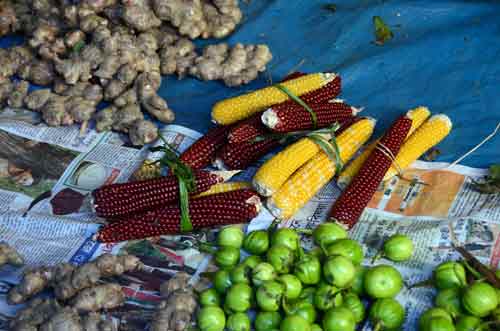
116 51
290 289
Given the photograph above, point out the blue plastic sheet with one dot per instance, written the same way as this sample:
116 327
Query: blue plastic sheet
444 54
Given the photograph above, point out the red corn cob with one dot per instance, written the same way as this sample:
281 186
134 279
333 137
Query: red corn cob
283 118
202 152
240 156
214 210
122 199
351 203
249 128
246 130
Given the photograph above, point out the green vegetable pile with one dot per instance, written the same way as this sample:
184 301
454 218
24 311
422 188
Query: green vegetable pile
465 300
326 288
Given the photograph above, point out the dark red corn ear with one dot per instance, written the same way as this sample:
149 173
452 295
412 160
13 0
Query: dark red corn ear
246 130
201 154
289 118
121 199
241 155
354 199
233 207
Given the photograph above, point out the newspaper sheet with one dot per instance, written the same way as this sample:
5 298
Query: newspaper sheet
58 168
433 201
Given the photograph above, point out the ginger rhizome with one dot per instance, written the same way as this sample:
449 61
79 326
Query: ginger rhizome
79 293
67 280
115 50
176 311
8 255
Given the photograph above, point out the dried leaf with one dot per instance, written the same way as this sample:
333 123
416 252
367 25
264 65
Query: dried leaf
382 31
491 184
495 172
66 202
478 266
432 154
331 7
43 196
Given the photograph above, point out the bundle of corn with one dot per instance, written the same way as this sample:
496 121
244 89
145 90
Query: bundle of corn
429 134
418 116
238 143
403 144
121 199
232 207
240 155
235 109
298 181
349 206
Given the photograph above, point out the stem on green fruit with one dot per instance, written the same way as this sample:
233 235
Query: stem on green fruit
285 306
424 283
308 232
473 271
377 256
378 326
300 250
206 247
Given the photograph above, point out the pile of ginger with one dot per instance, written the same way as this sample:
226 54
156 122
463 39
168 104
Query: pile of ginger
81 295
89 51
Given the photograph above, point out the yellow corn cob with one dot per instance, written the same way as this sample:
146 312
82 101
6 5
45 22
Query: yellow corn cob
224 187
417 115
147 170
234 109
318 171
428 135
275 171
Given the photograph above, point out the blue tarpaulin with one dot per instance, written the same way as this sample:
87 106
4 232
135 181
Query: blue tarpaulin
444 54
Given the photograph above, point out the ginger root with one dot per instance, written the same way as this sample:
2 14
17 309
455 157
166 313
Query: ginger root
35 281
176 311
8 255
88 274
67 280
235 66
99 297
114 50
34 314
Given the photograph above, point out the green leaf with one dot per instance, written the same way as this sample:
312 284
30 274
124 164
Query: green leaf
331 149
78 46
185 176
300 102
491 184
382 31
331 7
186 224
495 172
